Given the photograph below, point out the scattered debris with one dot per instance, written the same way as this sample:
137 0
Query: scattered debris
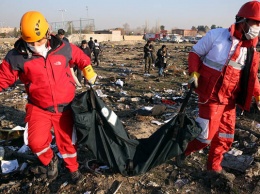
142 103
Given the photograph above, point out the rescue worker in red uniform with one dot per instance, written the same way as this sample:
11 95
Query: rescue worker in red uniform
223 66
42 62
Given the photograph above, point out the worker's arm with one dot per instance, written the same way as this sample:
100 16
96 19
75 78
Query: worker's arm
80 59
8 76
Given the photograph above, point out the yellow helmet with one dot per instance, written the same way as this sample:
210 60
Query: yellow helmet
33 26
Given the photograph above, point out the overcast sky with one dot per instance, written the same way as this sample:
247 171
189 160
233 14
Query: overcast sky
136 13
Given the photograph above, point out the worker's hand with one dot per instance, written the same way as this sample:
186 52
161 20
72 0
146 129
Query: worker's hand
194 79
89 74
257 101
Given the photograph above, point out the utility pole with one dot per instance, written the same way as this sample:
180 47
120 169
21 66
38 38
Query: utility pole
62 11
2 24
1 30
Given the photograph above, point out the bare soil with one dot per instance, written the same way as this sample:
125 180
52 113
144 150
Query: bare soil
124 61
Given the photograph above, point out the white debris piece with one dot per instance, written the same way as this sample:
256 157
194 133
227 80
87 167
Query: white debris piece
170 91
100 93
123 92
18 128
120 82
8 166
147 108
25 134
136 99
235 152
157 122
152 184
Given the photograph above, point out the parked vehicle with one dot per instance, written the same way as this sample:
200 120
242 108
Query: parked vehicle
152 36
165 39
186 38
194 40
176 39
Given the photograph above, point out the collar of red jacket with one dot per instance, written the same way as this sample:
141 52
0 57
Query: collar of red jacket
239 36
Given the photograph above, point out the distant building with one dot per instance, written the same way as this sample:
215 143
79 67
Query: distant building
6 29
185 32
111 31
102 32
164 32
122 30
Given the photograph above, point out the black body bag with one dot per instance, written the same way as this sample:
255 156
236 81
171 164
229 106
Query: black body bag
99 128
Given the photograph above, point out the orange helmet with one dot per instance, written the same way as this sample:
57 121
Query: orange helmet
250 10
33 26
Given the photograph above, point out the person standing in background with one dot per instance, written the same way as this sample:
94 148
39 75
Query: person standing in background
61 35
91 44
161 58
96 52
84 47
148 56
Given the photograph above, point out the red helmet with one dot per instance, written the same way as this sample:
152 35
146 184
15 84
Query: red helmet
250 10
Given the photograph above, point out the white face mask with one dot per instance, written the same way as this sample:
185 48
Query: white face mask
42 50
253 32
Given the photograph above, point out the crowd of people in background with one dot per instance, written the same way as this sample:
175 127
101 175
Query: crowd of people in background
158 61
90 48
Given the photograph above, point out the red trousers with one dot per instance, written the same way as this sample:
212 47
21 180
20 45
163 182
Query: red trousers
40 124
219 127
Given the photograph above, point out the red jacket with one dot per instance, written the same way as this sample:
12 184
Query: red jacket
210 58
48 81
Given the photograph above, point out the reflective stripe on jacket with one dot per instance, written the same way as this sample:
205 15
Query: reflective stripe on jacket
210 57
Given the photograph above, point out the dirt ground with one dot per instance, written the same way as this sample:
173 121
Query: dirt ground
124 61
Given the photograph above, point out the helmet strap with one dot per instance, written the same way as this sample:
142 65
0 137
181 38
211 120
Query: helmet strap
48 34
240 20
29 53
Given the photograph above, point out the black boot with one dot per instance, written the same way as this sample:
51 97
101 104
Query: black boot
77 177
180 159
52 168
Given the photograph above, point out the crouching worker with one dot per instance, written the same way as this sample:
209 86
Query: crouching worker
223 66
42 62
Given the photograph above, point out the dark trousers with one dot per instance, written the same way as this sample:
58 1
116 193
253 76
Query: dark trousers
79 75
148 62
96 60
